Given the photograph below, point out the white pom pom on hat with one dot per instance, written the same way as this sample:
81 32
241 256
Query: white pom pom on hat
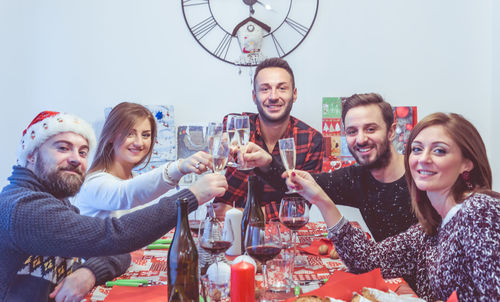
47 124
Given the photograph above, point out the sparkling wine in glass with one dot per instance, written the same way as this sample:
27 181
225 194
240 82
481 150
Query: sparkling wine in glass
294 214
287 152
233 138
220 152
214 132
263 243
242 126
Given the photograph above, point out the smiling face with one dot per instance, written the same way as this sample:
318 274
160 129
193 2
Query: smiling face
367 136
436 161
135 146
60 163
274 94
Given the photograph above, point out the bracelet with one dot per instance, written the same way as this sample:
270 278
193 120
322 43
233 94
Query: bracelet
168 178
332 231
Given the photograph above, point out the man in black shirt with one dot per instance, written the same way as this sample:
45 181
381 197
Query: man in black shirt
376 186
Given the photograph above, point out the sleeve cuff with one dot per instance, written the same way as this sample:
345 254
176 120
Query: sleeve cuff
171 173
334 230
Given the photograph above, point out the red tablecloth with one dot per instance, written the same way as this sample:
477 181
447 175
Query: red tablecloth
152 265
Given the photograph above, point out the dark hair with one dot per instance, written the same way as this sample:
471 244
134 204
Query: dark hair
366 99
274 62
116 127
469 141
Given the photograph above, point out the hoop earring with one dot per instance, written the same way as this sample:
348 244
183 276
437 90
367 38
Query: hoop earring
466 178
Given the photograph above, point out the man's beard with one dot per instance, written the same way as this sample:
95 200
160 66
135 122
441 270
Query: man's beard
381 161
266 118
54 180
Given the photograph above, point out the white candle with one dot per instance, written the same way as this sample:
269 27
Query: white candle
234 216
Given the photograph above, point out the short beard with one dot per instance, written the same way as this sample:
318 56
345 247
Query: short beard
267 119
381 161
56 184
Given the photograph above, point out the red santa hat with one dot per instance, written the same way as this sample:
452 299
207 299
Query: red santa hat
49 123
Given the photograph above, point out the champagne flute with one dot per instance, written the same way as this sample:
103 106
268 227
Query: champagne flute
233 137
242 126
220 152
287 152
214 131
294 214
263 243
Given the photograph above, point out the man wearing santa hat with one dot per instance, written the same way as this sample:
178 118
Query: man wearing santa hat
43 235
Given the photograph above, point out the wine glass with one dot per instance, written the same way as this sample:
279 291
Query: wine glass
214 131
242 126
219 152
215 239
287 152
233 137
294 214
263 243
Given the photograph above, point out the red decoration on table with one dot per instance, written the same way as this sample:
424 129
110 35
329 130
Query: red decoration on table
242 282
313 249
341 285
453 297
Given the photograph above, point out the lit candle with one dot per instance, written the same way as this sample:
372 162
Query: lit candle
234 216
242 282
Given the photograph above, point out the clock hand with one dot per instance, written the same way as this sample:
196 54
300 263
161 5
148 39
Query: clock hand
265 5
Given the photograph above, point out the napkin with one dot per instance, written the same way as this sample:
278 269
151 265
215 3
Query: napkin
155 293
313 248
341 285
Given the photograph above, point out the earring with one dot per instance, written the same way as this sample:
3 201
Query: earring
466 178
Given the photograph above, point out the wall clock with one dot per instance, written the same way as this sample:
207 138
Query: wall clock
217 26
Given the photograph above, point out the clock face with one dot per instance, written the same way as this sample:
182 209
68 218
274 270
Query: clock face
213 22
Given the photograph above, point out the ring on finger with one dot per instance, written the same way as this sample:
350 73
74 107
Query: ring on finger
197 165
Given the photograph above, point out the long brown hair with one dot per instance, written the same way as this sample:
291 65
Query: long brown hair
116 127
468 139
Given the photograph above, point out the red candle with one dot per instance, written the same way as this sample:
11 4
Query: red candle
242 282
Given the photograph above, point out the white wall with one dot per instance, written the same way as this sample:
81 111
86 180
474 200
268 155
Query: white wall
81 56
494 145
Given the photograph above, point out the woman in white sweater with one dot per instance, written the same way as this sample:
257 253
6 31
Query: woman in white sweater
127 141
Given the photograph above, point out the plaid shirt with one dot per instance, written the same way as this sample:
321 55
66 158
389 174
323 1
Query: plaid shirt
309 157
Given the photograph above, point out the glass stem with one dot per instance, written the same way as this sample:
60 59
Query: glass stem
294 241
264 272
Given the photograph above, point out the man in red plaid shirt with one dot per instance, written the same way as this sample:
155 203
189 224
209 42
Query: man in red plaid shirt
274 94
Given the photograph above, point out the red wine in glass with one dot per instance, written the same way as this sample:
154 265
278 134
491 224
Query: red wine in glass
263 253
294 223
216 247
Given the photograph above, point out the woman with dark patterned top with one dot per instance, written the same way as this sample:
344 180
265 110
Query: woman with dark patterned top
455 246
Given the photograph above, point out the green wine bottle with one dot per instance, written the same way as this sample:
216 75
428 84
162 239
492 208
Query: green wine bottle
182 260
252 213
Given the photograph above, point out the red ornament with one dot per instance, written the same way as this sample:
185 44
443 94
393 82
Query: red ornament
402 112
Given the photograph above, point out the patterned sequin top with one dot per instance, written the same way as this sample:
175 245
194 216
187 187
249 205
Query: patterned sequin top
464 255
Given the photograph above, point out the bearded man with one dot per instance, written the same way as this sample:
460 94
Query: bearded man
43 236
376 186
274 93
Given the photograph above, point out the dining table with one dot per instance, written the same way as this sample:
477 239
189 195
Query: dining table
150 264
